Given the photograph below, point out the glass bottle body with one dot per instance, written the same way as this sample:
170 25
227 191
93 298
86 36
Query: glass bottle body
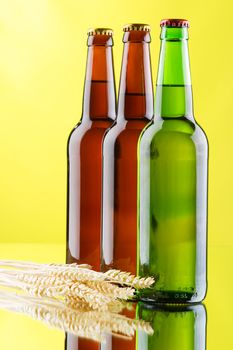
172 210
85 183
120 195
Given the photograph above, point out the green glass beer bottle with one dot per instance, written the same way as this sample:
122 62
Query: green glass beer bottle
175 327
173 157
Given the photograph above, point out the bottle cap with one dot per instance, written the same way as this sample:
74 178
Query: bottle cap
174 22
100 31
137 27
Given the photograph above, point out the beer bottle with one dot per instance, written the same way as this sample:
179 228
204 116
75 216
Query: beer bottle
85 152
176 327
135 110
173 154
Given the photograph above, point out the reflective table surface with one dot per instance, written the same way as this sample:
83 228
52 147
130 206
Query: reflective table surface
137 326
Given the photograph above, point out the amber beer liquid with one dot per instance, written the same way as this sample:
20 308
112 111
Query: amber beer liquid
135 110
85 152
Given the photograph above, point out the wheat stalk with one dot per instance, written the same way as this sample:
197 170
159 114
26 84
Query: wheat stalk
75 272
71 283
31 265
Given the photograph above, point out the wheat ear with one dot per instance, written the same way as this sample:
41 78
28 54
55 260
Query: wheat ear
125 278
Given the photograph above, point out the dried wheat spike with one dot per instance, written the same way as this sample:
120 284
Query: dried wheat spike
89 295
63 273
77 274
44 280
83 292
111 290
77 303
51 278
125 278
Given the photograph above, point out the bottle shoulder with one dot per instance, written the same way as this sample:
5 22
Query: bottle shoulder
89 127
125 127
172 126
86 135
200 134
173 132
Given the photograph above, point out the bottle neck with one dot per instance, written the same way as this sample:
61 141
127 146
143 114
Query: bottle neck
99 100
135 99
174 89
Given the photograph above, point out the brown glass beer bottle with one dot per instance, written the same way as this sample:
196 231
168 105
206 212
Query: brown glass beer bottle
135 110
85 152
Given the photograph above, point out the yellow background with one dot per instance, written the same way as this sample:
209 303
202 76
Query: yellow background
42 65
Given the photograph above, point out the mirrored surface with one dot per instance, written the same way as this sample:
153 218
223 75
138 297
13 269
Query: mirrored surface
197 327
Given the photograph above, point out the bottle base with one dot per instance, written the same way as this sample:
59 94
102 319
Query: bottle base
170 297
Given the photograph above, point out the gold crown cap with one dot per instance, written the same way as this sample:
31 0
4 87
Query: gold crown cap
136 26
100 31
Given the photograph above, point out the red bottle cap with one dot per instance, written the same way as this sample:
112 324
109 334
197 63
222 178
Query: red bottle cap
174 22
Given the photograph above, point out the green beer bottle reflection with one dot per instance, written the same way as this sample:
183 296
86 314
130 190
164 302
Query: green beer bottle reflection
173 154
175 327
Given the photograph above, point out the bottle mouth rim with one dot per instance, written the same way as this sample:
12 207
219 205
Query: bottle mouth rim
136 27
175 23
100 31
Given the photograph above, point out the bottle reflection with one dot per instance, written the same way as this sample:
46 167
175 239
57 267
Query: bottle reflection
175 327
121 337
114 342
72 342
